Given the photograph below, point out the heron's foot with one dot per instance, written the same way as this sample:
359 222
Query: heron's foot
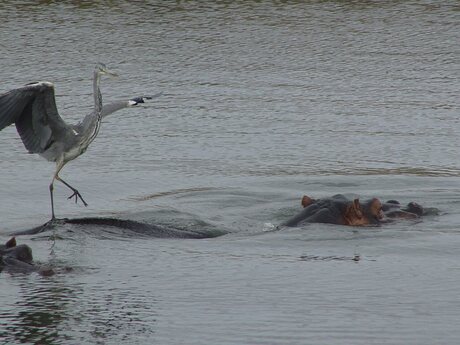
76 194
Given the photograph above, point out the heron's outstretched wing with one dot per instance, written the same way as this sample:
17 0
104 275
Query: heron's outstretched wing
110 108
32 109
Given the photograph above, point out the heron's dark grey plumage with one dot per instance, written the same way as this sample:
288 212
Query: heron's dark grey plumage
32 109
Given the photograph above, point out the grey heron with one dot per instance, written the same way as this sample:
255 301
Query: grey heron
32 108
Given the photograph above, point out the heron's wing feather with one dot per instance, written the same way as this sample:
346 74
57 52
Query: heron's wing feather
12 104
107 109
33 109
110 108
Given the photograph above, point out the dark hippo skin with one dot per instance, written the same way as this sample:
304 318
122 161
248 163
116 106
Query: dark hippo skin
11 250
343 211
338 210
12 255
15 257
393 209
152 230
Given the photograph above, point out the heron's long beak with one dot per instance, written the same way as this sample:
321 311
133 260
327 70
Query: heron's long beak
110 73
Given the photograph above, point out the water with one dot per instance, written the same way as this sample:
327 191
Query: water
264 102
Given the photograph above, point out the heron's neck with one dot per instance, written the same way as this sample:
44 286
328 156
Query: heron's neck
92 128
97 93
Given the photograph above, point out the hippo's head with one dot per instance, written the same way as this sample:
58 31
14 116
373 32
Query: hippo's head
22 252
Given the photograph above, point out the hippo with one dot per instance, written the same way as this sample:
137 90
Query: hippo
342 211
137 227
393 209
338 210
19 258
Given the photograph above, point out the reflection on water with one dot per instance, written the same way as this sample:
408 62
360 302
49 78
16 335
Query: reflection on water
37 312
46 312
263 102
118 315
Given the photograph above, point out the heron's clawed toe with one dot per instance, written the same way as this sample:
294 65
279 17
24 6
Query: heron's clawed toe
76 194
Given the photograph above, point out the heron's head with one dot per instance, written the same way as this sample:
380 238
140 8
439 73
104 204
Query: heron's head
103 70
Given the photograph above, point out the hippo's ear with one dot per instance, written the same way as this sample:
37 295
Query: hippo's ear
357 207
306 201
11 243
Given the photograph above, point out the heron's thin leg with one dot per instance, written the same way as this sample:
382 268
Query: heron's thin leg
53 217
59 165
52 201
75 194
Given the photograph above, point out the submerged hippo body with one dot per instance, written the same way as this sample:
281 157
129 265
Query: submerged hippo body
126 226
337 210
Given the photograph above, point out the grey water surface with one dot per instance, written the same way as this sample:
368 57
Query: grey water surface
264 101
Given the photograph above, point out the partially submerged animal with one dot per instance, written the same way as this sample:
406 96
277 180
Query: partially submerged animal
337 210
128 226
342 211
15 257
393 209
